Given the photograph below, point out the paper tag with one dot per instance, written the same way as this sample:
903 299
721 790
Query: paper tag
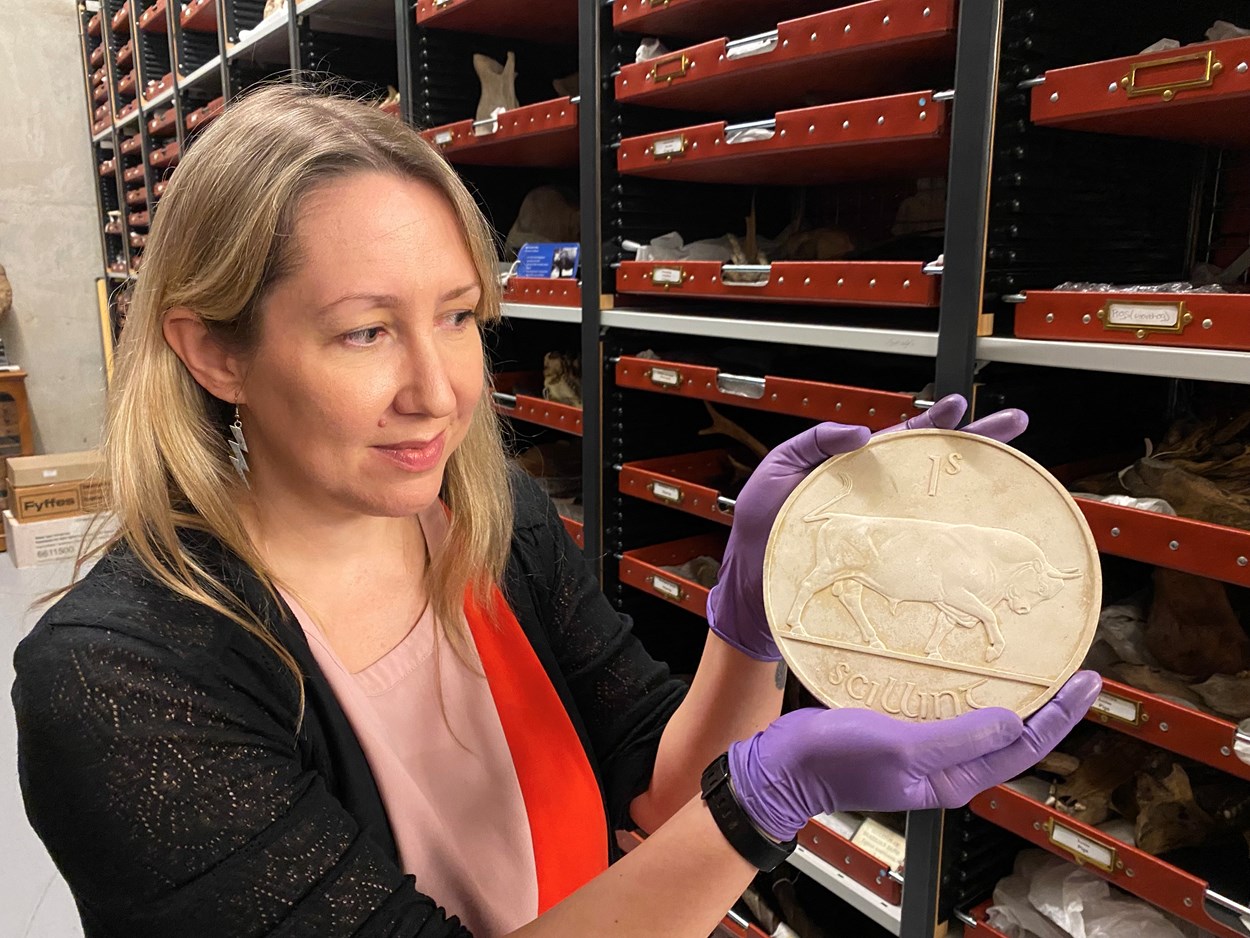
666 377
878 840
1156 315
669 146
50 473
666 492
666 587
1127 710
1097 854
443 137
666 275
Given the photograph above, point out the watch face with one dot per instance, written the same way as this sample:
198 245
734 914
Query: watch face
930 573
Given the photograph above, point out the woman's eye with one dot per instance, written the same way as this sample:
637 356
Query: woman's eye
462 318
363 336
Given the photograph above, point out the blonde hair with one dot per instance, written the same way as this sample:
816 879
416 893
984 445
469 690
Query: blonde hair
222 236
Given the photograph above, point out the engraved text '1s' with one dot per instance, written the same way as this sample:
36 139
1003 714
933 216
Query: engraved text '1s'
952 461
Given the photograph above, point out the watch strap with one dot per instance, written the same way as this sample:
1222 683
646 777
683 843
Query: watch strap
735 824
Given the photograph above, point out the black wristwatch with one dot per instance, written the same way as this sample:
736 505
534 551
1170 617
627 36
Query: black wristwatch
756 848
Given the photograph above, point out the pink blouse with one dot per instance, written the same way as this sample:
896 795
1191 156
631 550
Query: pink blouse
442 767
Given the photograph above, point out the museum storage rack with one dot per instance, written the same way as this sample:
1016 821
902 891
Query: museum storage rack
906 182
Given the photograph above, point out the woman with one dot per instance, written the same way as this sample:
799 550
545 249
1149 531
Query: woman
342 673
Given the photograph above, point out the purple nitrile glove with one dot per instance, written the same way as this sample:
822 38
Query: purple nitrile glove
814 761
735 606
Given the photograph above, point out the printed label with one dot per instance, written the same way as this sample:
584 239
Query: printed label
666 377
1127 710
1091 850
1156 315
443 137
666 492
881 843
669 146
666 275
666 588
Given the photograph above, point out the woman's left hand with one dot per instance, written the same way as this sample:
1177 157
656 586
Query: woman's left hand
735 607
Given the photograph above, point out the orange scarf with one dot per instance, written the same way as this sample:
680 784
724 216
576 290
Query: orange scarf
568 826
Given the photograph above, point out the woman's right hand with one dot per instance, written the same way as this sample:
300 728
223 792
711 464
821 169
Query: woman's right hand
813 761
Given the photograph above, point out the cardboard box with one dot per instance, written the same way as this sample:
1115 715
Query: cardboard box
54 541
40 502
23 471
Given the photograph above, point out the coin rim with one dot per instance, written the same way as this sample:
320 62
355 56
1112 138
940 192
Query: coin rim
1095 612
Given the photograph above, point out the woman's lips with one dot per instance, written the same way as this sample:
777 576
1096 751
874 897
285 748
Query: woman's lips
413 456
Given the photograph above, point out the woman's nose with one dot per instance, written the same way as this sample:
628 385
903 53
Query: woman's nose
424 386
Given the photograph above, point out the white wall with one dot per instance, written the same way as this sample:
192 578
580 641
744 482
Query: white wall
49 232
50 246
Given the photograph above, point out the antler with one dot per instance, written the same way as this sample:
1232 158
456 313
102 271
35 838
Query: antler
725 427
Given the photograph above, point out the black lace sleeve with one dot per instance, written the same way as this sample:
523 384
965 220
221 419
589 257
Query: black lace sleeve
624 696
163 775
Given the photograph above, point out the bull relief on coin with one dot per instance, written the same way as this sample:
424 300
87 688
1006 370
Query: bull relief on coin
930 573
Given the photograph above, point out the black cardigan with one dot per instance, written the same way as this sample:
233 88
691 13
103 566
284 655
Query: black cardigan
159 761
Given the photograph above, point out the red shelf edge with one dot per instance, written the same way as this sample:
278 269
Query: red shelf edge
1208 550
540 292
1181 730
1134 871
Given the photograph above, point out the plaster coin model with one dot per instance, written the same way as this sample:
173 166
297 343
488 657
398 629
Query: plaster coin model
930 573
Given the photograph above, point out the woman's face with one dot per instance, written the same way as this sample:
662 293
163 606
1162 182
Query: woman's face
369 363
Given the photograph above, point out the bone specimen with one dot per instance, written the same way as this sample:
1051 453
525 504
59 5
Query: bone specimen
1192 628
547 214
562 379
498 85
1156 681
1168 816
702 570
1106 763
723 426
1227 694
1059 763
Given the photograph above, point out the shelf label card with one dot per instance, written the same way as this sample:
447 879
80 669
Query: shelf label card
669 146
877 840
1081 846
666 493
442 138
666 588
668 276
666 377
1148 315
1129 711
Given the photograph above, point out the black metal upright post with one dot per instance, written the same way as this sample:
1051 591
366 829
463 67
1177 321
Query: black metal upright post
292 40
225 27
963 285
405 23
590 85
172 28
967 192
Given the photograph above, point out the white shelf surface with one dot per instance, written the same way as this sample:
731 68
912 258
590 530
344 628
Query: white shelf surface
269 37
855 338
214 62
130 118
546 313
102 135
870 904
1161 361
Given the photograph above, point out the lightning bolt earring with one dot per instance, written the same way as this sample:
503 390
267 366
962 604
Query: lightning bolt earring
238 446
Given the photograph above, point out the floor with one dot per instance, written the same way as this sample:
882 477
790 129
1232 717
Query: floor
34 900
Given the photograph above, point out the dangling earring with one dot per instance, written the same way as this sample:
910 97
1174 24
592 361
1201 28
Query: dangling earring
238 446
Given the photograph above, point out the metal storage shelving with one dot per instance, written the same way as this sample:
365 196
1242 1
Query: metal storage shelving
993 122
